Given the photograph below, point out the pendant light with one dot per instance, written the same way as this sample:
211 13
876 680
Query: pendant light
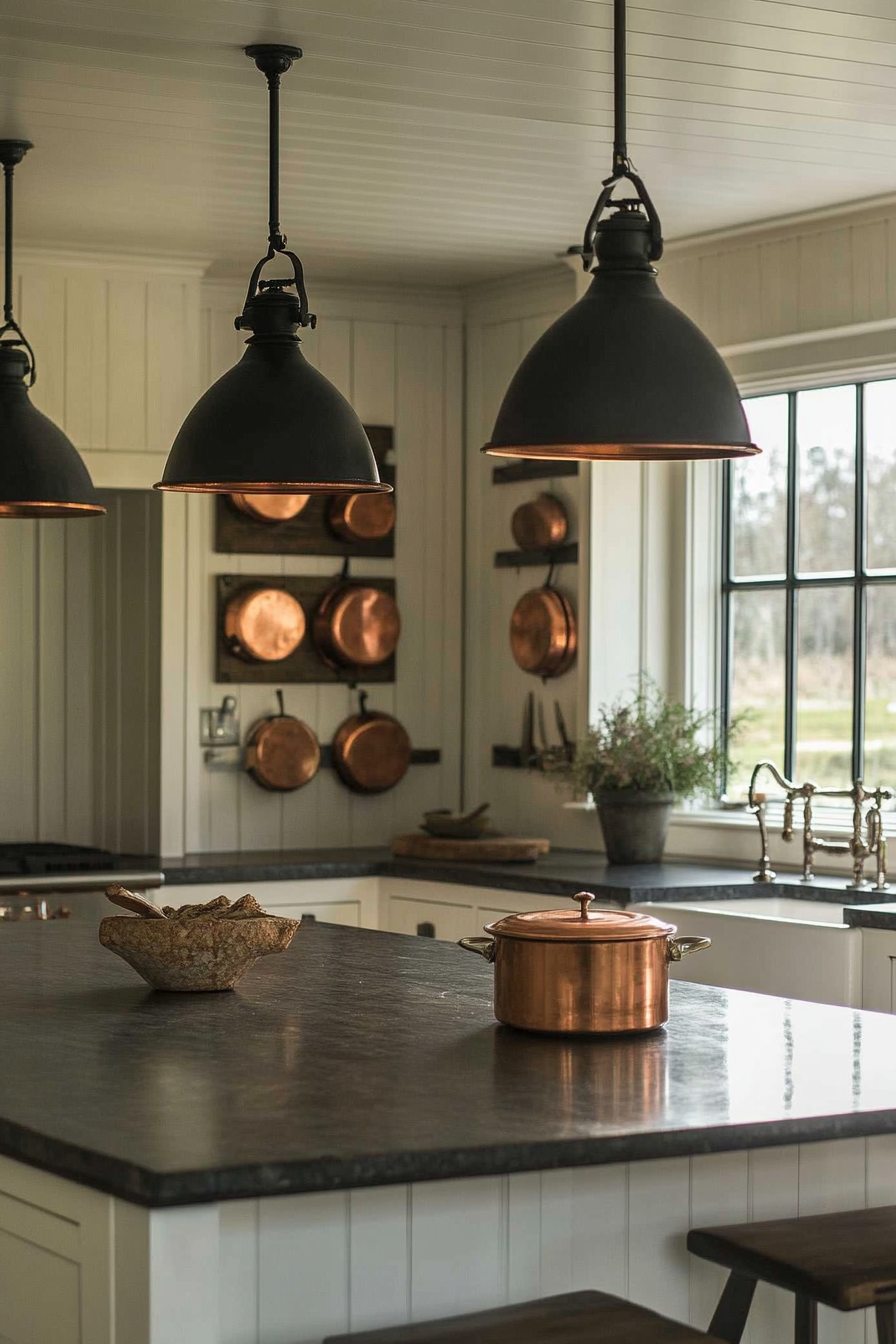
41 474
273 424
623 374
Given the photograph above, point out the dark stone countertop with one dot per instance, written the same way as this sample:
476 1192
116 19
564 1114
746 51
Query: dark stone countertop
881 916
563 872
360 1058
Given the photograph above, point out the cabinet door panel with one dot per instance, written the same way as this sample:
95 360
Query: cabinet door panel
879 970
430 919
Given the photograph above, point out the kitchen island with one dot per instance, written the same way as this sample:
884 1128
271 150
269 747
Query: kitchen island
349 1140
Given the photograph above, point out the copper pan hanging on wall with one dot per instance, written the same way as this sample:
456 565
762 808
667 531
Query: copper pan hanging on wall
271 508
371 750
543 632
263 624
365 517
539 523
282 752
356 625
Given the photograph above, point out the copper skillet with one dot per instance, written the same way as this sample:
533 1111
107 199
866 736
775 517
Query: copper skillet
543 632
282 753
356 625
539 523
271 508
371 750
362 517
264 624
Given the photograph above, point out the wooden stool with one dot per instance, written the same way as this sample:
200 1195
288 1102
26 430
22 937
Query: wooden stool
573 1318
845 1260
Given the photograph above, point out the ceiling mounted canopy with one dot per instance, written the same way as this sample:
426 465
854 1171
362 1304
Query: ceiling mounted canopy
623 374
41 474
273 424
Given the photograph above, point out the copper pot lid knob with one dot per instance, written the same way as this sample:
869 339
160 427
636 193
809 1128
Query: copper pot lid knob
584 899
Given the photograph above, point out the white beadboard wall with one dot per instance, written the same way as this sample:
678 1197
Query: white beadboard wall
399 358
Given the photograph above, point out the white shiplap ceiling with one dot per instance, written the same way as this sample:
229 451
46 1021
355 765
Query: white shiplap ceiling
430 140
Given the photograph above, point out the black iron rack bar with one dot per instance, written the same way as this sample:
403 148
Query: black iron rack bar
533 470
567 554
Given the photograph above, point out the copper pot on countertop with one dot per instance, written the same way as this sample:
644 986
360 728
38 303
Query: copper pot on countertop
586 971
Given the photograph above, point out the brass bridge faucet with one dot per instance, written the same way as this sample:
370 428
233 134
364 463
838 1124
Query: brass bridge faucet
872 845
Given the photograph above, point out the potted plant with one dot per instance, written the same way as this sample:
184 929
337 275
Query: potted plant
642 753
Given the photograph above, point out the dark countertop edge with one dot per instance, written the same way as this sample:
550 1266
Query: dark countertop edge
137 1185
525 877
867 917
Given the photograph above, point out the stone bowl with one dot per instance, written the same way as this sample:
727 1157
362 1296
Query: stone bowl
196 955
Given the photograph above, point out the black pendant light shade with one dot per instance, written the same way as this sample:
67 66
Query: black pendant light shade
623 374
273 424
41 473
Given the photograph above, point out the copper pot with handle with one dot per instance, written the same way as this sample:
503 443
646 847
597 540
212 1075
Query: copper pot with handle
364 517
282 752
271 508
371 750
582 971
539 523
356 625
263 624
543 632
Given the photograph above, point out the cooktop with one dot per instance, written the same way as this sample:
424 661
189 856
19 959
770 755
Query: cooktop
47 857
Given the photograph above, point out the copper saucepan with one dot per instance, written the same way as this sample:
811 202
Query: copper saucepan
282 753
539 523
264 624
356 625
371 750
270 508
362 517
543 633
581 971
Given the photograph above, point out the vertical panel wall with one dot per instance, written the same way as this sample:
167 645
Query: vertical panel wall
398 357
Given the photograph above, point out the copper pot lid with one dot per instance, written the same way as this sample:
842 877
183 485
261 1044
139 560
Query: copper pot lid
283 753
371 751
358 625
594 926
272 508
539 523
267 624
543 632
362 517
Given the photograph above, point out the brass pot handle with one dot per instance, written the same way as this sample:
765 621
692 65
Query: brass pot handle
683 947
486 947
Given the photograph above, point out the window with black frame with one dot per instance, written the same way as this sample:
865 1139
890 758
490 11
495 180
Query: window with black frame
809 587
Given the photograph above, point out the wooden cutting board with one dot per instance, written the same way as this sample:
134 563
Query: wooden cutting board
495 849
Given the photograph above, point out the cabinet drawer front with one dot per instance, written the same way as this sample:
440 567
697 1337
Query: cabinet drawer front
430 919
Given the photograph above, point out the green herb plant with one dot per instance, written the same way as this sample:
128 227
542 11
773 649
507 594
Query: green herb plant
647 743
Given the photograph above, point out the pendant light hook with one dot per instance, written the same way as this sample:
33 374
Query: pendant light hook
12 152
623 169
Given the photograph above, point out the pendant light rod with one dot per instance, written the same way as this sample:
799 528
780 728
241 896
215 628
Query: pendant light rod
273 60
620 148
12 152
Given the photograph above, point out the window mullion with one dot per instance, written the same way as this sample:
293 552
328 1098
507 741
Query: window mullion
859 651
792 613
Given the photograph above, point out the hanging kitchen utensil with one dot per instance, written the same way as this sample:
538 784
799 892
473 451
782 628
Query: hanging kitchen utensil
361 517
264 624
543 632
271 508
282 753
371 750
539 523
356 625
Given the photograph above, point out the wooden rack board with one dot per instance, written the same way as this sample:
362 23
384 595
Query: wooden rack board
308 533
567 554
305 663
494 849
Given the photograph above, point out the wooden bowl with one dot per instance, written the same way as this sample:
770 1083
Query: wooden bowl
196 955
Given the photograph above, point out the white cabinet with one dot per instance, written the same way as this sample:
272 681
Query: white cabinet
878 969
449 911
795 949
431 919
334 900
